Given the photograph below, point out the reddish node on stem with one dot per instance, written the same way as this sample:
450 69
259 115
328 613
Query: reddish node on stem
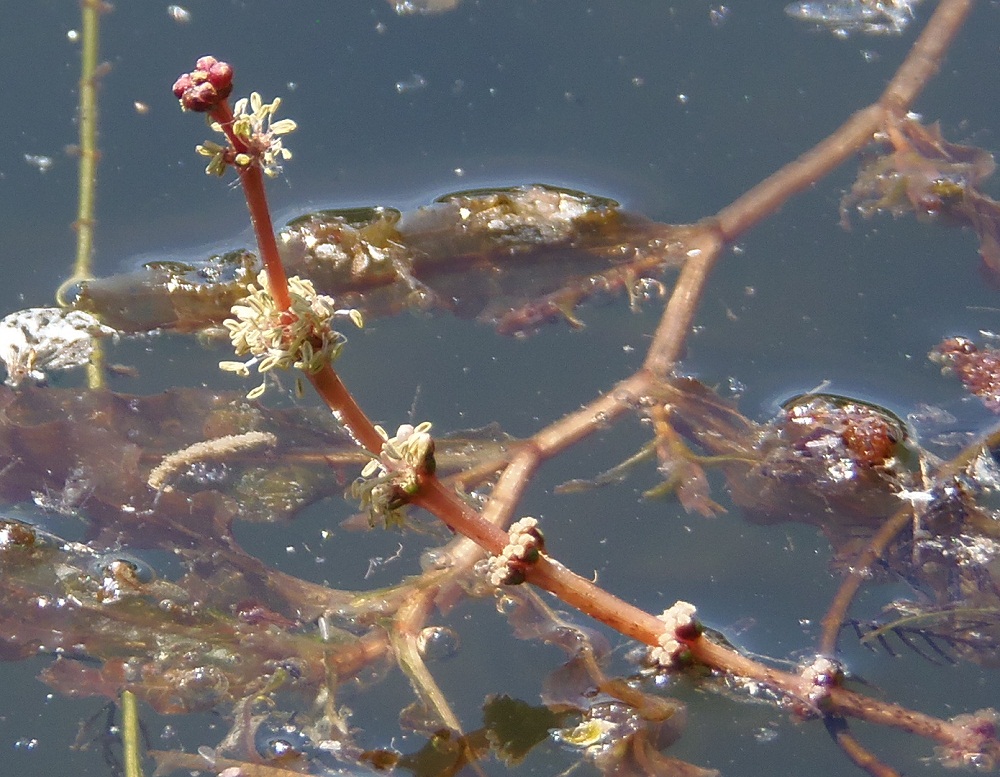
206 86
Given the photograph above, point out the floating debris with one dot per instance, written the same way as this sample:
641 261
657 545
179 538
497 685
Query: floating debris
977 368
40 340
40 161
414 83
515 258
179 14
844 17
410 7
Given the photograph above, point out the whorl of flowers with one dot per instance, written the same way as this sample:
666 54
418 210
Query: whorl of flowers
388 482
258 132
524 545
679 627
301 336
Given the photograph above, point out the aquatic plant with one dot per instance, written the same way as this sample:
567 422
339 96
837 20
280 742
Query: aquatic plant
271 651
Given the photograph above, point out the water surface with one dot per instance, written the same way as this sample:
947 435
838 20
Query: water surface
653 104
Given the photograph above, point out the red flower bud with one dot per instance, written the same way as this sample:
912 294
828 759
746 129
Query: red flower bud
206 86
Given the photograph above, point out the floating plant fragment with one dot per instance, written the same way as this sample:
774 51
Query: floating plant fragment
36 341
515 258
940 635
514 727
848 467
927 175
409 7
843 17
977 368
829 460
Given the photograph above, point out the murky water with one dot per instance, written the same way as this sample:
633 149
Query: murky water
661 107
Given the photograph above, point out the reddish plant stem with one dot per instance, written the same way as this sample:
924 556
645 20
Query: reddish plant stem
666 348
857 575
326 382
348 412
437 499
668 342
640 625
559 435
747 210
252 180
631 621
862 758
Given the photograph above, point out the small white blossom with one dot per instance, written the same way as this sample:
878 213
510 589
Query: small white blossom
410 446
387 482
258 132
261 134
822 674
524 543
218 156
676 618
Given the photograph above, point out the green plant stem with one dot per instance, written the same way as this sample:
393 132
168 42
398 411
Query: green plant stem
130 735
87 174
87 180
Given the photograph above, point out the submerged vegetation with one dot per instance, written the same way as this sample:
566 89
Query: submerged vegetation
120 545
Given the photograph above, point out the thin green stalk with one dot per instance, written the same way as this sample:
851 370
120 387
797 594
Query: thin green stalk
88 141
130 735
87 181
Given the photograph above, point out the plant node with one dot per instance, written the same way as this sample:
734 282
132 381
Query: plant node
823 674
301 336
524 547
977 749
390 482
680 627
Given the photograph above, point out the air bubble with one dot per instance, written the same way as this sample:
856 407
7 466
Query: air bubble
436 643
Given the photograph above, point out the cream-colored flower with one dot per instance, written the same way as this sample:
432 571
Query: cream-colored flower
254 125
261 133
676 620
388 481
217 157
524 545
302 336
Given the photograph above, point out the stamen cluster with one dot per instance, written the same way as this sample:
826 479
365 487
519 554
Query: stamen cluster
301 336
387 483
258 133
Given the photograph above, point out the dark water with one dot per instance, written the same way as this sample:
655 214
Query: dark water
649 103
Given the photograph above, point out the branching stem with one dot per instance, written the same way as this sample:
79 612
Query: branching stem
704 248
